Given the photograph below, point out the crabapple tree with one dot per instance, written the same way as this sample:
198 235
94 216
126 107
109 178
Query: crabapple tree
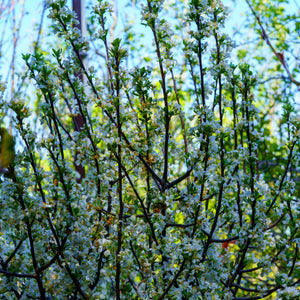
174 202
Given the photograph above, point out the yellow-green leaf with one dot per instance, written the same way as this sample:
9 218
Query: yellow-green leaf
7 148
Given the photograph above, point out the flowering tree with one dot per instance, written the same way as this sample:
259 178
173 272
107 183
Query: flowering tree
271 46
174 204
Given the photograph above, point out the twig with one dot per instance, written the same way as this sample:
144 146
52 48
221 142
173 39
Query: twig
277 54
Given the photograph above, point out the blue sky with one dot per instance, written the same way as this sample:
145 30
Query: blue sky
28 33
32 17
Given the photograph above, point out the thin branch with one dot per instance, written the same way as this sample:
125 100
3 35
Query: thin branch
267 40
17 274
173 281
283 177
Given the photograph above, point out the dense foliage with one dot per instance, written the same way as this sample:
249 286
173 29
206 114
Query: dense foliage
153 177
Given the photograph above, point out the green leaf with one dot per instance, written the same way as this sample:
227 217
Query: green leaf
7 146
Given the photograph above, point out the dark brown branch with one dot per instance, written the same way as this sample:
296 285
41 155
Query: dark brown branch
7 273
265 37
173 281
165 94
283 177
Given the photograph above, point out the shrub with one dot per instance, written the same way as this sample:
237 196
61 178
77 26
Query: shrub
147 183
